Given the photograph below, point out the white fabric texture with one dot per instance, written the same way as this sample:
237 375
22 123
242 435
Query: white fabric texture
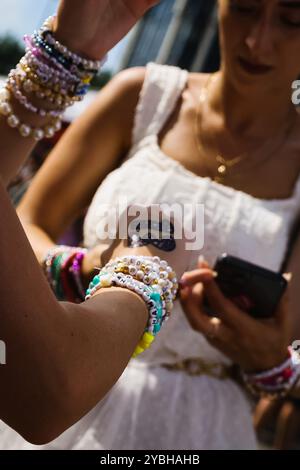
151 407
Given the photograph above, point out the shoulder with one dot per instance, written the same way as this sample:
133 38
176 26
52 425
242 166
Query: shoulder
118 100
128 84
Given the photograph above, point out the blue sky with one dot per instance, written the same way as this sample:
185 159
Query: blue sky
19 17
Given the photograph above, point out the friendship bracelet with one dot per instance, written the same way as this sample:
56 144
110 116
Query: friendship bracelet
87 64
276 382
13 86
149 277
58 266
75 273
52 92
53 73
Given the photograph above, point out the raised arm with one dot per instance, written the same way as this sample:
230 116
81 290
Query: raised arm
90 28
57 353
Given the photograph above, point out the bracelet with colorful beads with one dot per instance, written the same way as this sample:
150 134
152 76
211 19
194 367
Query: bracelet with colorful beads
152 299
55 93
15 87
36 77
149 277
152 271
276 382
46 32
75 273
52 72
59 265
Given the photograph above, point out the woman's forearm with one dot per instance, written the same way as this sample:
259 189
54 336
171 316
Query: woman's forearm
14 151
40 241
60 358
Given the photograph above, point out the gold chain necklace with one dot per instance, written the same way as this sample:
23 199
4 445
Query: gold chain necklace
224 164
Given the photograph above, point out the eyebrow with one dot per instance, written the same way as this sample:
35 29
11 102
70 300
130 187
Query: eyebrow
289 4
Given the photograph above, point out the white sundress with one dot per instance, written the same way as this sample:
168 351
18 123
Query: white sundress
152 407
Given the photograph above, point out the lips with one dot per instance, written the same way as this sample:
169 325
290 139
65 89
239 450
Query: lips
253 67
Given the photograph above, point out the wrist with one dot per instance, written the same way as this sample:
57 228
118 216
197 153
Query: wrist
268 363
67 38
274 382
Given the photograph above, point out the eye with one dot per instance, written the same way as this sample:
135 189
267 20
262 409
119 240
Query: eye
290 23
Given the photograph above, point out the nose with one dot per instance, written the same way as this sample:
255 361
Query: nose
259 40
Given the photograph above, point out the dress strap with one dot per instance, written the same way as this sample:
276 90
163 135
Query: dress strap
163 86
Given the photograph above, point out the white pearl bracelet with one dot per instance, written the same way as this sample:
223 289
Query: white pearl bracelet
25 130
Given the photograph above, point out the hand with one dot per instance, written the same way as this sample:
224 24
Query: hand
93 27
256 345
178 259
92 259
277 422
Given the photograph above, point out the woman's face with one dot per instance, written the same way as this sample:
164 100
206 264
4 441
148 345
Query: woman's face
260 41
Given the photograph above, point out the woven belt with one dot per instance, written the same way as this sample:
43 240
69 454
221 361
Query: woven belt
197 366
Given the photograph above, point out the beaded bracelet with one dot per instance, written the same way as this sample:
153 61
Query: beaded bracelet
14 86
152 279
151 298
276 382
53 92
62 267
25 130
51 72
75 273
46 32
33 80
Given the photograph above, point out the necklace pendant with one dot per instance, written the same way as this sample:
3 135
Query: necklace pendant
222 170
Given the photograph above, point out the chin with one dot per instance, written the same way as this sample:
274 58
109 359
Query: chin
242 79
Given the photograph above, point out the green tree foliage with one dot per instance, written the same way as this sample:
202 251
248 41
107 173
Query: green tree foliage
101 79
10 53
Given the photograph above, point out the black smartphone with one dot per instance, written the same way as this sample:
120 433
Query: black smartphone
253 289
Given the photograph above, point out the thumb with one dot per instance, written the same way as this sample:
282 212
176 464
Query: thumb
202 263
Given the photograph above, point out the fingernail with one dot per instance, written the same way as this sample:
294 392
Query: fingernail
201 259
215 274
182 283
288 276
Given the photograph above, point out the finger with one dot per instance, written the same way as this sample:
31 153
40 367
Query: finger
287 426
202 263
191 307
225 309
265 417
212 328
197 275
282 314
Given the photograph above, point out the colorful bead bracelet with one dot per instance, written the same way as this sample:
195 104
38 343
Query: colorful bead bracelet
276 382
149 277
51 72
62 266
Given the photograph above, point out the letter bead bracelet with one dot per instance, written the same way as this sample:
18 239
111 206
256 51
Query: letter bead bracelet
149 277
277 382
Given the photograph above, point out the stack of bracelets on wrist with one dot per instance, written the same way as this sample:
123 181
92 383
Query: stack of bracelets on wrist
62 267
276 382
48 71
149 277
